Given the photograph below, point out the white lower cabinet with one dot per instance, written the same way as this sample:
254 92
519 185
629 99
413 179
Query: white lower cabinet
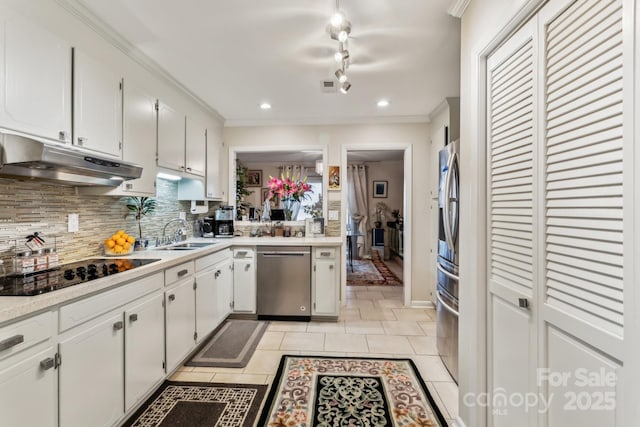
116 353
143 349
206 312
325 282
91 374
224 289
244 280
27 380
28 374
180 322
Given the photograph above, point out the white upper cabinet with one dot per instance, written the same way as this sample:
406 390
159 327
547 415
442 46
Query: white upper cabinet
214 185
140 138
35 80
195 149
97 95
171 138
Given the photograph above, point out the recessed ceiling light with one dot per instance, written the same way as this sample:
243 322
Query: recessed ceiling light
383 103
265 106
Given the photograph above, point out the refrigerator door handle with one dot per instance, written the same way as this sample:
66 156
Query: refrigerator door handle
446 306
446 273
445 215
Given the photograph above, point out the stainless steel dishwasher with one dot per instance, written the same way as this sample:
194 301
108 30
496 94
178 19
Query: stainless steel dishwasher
284 282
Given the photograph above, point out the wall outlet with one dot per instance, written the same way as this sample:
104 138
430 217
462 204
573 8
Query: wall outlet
334 215
73 223
183 216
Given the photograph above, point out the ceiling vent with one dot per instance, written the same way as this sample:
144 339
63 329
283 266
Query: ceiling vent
328 86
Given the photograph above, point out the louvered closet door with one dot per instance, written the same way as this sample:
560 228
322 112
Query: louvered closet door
582 310
511 116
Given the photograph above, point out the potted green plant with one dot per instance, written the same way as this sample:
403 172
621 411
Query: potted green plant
140 207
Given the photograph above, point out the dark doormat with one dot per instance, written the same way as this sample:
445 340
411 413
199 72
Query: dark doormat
346 391
232 346
192 404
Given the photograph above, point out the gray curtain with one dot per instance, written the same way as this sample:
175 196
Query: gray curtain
358 206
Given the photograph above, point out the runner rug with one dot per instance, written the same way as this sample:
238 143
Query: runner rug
371 272
231 346
182 404
329 391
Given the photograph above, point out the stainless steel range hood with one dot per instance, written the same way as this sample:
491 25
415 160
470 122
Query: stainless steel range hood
34 159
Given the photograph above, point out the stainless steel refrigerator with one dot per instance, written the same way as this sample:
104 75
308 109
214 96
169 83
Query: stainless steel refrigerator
447 264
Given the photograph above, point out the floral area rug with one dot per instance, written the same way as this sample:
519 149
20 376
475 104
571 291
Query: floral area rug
328 391
371 272
182 404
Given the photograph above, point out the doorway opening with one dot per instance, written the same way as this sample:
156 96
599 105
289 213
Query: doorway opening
374 217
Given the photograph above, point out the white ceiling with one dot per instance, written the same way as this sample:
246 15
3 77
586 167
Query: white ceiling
236 54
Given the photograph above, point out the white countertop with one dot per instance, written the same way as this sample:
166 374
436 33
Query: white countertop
13 308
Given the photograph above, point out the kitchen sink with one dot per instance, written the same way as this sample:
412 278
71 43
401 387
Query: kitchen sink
186 246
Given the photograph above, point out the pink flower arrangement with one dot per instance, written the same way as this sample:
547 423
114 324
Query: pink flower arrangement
287 188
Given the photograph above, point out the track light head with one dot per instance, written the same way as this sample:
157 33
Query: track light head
342 54
345 87
341 75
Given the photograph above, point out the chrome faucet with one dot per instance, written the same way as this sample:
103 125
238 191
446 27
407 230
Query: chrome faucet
164 229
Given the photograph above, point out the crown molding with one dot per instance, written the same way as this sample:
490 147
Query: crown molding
458 7
107 32
329 121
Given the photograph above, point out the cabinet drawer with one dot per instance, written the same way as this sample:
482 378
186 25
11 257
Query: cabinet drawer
212 259
25 334
243 252
173 274
79 312
325 253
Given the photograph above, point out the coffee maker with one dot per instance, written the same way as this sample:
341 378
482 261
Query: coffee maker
223 222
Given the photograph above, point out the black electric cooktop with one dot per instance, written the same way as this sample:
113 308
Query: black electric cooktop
67 275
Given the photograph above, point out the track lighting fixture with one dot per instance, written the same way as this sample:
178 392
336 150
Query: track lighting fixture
339 29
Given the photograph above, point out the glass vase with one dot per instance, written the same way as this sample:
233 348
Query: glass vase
291 208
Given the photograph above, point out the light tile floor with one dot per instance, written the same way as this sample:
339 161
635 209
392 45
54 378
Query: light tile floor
373 323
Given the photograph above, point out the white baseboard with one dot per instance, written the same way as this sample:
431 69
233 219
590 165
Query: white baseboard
458 423
422 304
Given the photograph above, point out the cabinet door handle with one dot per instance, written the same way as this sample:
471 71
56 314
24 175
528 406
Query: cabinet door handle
182 272
188 169
10 342
247 267
82 140
242 253
62 135
172 297
523 303
331 267
47 363
133 317
325 253
118 325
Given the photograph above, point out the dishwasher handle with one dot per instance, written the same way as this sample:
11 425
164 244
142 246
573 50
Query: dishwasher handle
281 254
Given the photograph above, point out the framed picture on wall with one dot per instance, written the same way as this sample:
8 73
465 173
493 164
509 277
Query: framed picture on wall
380 189
334 177
254 178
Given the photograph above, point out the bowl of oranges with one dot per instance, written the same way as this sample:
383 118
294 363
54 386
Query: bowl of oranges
119 244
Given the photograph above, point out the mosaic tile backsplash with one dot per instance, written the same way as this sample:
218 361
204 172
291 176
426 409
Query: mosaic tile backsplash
27 207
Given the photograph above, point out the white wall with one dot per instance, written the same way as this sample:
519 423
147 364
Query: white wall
334 138
482 22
